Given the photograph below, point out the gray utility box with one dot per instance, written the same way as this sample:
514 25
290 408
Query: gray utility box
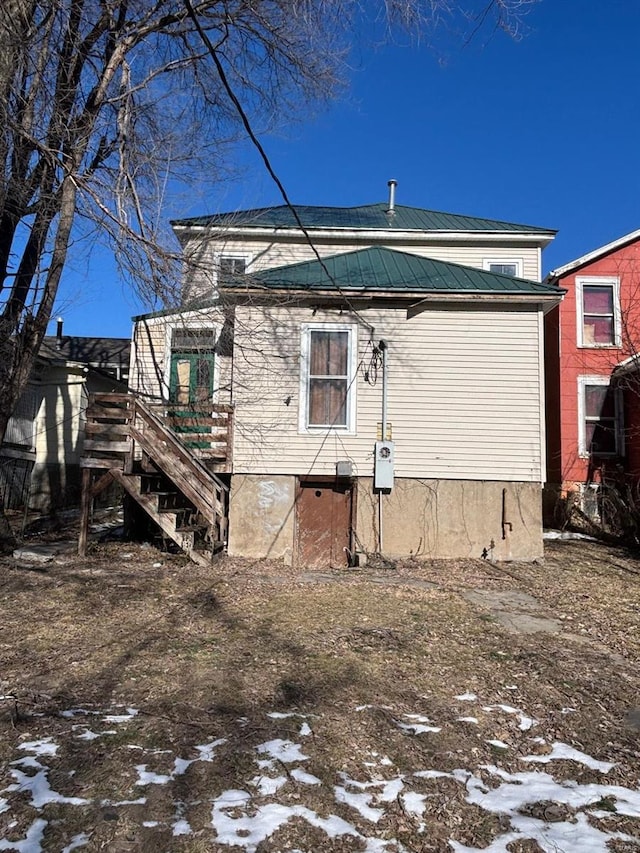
384 465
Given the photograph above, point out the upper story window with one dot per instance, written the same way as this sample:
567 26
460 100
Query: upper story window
504 266
230 266
598 305
327 377
600 413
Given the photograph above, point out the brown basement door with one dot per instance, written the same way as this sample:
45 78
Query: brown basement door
323 524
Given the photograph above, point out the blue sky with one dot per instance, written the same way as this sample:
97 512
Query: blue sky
543 131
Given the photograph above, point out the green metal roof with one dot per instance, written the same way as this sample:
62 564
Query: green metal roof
365 217
380 269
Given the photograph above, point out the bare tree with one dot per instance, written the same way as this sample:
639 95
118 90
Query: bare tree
103 102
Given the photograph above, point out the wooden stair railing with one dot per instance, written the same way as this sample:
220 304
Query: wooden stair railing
116 423
206 491
207 432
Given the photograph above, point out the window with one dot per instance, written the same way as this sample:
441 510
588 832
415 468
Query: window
193 340
600 413
503 266
328 369
230 268
598 304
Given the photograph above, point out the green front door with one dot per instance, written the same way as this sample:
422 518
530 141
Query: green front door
190 389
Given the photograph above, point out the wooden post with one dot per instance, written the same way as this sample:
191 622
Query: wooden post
85 508
130 456
229 460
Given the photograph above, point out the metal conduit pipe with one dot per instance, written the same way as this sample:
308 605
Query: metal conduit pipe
382 346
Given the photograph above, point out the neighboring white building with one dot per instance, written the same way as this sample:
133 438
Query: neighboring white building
40 456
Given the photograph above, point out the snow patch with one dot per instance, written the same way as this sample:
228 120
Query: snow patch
182 827
305 778
78 712
363 802
574 835
268 785
421 726
31 843
249 831
525 723
414 803
282 750
206 751
562 751
80 840
87 734
39 788
146 777
360 802
45 746
121 718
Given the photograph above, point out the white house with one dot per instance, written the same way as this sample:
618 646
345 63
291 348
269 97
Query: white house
380 370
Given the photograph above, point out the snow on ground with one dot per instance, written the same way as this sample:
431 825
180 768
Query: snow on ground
421 726
561 750
537 806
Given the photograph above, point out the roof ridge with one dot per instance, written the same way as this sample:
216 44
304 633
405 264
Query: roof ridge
406 217
269 277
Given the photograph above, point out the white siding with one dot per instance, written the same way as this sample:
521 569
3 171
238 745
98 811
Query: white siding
150 353
464 394
148 358
261 254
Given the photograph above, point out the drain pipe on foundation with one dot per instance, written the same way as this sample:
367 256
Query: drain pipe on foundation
383 349
384 449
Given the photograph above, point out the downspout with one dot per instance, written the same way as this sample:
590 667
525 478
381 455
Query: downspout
382 346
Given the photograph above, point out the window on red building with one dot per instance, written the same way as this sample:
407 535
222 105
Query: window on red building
598 312
600 412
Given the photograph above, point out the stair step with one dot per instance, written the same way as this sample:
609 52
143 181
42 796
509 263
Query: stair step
175 513
216 545
202 558
192 528
183 509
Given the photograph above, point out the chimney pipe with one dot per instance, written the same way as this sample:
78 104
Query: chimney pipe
59 333
392 184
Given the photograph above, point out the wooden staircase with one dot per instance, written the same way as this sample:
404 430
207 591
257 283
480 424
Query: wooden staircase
128 443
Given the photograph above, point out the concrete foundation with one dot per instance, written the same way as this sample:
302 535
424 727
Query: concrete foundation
262 516
453 519
420 518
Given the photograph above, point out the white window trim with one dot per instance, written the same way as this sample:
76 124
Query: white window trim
486 264
608 280
187 323
583 453
239 255
352 363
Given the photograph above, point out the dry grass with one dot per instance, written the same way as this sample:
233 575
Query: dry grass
208 654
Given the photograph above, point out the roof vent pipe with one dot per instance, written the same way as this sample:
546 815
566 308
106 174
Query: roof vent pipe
392 184
59 333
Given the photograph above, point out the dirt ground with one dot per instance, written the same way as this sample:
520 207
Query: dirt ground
392 682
